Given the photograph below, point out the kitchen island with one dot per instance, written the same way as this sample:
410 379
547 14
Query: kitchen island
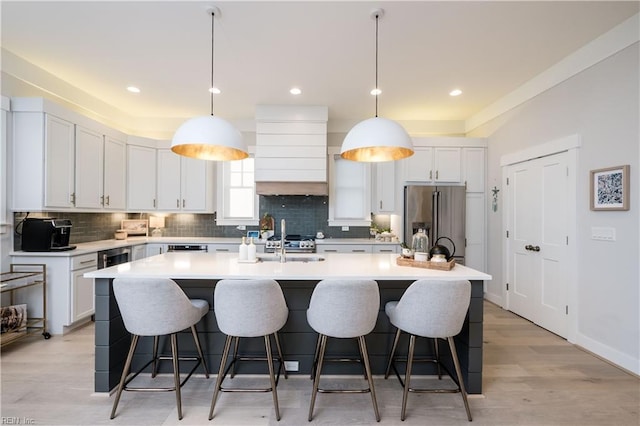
197 273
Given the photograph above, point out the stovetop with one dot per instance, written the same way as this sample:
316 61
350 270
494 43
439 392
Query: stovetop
292 242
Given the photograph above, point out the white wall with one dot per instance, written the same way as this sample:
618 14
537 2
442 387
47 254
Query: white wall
601 106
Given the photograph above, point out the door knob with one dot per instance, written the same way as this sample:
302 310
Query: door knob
536 248
528 247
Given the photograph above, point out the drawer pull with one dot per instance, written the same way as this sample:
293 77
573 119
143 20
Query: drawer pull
84 262
222 249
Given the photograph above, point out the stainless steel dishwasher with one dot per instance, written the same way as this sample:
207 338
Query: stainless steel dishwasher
187 247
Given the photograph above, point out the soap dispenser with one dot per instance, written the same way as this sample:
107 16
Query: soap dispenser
243 250
251 251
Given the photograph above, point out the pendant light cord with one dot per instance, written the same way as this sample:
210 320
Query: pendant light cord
212 44
376 86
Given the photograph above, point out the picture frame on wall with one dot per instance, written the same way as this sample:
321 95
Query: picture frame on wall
609 188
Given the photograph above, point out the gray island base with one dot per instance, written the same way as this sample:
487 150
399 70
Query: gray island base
198 273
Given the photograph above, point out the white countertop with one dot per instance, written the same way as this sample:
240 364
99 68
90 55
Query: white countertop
199 265
95 246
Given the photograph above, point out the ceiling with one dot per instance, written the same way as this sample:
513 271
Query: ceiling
262 49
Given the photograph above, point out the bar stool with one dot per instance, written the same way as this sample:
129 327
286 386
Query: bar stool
433 309
157 307
343 309
249 308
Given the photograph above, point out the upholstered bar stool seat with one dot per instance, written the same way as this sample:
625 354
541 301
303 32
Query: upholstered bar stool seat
249 308
432 309
157 307
343 309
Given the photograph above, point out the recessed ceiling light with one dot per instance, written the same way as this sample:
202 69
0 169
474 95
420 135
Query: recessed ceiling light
455 92
295 91
214 90
133 89
375 92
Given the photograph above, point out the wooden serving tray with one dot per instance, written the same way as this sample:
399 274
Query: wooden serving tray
442 266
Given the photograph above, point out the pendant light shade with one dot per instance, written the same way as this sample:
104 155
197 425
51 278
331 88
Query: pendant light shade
209 137
377 139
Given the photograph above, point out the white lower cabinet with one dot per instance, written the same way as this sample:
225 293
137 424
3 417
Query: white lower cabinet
70 296
138 252
153 249
344 248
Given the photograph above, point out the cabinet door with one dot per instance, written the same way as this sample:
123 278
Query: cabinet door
349 192
115 174
138 252
141 178
89 169
194 185
473 164
474 227
384 193
169 177
447 165
59 163
153 249
82 295
418 167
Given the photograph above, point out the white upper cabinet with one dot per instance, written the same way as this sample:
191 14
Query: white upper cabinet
59 167
42 166
184 184
115 174
100 171
383 196
433 165
349 191
89 166
59 163
141 178
473 162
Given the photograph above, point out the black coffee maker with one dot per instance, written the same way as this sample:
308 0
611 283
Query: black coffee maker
46 234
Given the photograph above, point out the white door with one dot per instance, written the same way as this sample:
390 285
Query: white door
537 244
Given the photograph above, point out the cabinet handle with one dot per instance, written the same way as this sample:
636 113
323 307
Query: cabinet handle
357 251
183 203
330 251
430 174
222 249
178 203
436 175
84 262
380 204
387 251
102 200
73 198
107 200
154 203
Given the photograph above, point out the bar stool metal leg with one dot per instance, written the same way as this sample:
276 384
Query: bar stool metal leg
316 380
220 378
267 344
456 364
367 369
393 352
154 365
125 373
196 339
279 348
314 366
176 373
407 377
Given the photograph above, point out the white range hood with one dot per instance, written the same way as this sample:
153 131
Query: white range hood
291 150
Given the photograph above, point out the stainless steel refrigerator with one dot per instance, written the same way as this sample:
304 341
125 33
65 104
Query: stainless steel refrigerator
440 211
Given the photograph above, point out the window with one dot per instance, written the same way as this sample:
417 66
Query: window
237 202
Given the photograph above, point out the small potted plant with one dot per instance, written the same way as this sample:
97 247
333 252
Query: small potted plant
266 226
406 251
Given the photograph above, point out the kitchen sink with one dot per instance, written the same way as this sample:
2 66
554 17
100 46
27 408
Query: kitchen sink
304 259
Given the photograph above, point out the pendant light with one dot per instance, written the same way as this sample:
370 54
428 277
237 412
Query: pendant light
376 139
209 137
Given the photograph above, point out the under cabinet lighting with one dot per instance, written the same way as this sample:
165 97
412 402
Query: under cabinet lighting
455 92
133 89
295 91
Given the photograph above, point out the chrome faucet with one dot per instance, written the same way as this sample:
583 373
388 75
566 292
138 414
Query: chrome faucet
283 253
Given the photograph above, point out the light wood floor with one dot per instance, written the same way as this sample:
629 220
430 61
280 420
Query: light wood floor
531 377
